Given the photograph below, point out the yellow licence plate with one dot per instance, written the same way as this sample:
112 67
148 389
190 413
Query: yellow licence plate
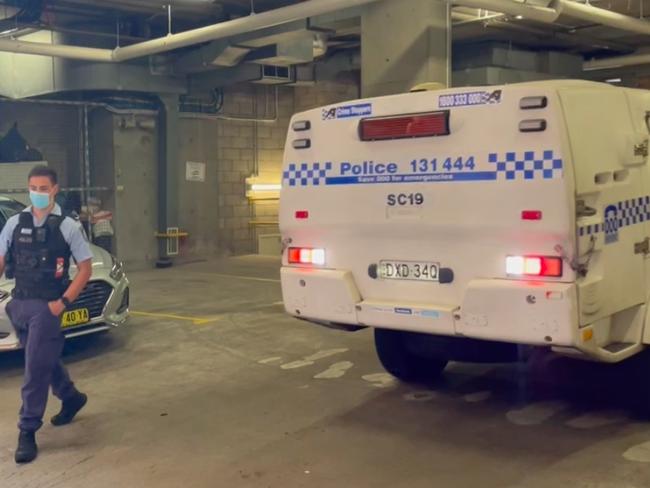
75 317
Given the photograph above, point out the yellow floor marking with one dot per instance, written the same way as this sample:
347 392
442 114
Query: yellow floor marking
250 278
194 320
237 277
207 321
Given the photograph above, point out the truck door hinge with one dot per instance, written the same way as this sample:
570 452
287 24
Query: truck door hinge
642 247
286 243
582 210
641 149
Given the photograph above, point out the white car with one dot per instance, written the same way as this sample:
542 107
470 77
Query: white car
102 305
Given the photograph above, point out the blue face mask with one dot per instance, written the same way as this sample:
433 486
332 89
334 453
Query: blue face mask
39 200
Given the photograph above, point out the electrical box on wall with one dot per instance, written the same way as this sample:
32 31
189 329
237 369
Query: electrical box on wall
275 75
203 83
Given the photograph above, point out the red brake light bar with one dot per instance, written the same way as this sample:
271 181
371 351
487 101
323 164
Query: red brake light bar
405 126
303 255
541 266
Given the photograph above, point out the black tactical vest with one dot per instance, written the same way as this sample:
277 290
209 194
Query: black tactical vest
39 259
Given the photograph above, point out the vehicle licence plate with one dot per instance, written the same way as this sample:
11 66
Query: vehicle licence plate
75 317
408 270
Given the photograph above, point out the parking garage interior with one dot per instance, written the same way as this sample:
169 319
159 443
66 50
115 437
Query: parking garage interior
167 123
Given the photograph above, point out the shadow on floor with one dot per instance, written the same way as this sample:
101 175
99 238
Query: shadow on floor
75 350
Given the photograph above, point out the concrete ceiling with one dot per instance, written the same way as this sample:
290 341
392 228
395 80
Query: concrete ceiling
147 18
566 34
183 8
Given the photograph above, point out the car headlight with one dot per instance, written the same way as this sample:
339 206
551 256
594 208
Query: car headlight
117 271
4 295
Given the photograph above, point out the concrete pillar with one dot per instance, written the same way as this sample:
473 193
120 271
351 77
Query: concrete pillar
169 172
404 43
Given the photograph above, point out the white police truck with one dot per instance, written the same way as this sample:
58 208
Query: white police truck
460 223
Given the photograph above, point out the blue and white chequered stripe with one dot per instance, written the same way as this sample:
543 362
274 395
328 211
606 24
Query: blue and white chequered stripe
306 174
529 165
634 211
629 212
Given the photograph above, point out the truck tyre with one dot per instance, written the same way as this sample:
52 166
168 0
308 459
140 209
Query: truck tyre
402 362
640 365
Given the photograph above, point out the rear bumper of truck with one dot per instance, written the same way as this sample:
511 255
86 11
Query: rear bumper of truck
521 312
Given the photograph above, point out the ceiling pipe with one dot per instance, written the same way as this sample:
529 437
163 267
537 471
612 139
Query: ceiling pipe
617 62
612 19
57 50
467 19
234 27
580 11
511 7
569 39
272 18
311 8
597 15
570 8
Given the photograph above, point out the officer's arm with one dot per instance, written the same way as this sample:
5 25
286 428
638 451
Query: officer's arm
84 272
5 244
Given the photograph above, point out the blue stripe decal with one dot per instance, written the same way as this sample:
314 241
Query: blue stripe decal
411 178
619 215
511 166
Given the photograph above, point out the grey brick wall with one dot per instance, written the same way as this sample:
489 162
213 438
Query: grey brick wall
216 213
244 150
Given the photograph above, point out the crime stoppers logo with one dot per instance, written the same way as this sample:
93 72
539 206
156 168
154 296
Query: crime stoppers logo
347 111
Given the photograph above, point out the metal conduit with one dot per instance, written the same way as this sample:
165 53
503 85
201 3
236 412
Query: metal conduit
221 30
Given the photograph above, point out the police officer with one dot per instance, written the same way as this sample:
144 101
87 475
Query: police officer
35 249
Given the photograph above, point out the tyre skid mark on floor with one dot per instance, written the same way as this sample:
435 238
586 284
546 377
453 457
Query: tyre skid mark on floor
336 370
380 380
594 420
270 360
420 396
535 413
477 397
639 453
310 360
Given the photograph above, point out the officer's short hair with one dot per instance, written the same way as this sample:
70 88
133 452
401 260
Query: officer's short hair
42 170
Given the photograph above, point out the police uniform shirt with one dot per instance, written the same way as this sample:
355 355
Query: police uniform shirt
71 229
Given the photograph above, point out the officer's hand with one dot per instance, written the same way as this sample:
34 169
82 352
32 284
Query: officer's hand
56 308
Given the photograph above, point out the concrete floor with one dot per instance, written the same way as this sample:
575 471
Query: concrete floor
211 385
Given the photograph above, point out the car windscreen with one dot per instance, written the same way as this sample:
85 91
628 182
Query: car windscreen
10 207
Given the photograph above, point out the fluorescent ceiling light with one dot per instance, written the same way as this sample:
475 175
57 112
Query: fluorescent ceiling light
266 187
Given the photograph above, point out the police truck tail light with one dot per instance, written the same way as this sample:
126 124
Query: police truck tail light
531 215
302 255
405 126
550 267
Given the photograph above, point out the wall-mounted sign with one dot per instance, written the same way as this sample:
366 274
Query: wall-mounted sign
195 171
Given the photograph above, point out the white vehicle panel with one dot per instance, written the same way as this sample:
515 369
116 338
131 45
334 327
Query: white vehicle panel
462 200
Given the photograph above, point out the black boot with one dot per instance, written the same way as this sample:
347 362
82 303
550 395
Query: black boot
27 450
69 409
